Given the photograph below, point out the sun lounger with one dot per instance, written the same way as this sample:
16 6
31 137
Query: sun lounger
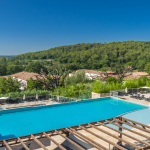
143 97
135 96
126 94
148 99
132 95
63 100
120 94
120 144
138 96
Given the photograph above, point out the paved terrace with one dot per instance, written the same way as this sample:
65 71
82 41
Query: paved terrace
137 101
50 101
28 104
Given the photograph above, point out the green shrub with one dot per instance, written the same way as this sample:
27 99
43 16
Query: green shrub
111 79
136 83
73 90
27 93
100 87
9 85
77 77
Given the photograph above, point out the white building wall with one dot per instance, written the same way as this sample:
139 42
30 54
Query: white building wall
23 83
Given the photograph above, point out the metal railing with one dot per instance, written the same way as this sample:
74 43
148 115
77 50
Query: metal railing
32 101
130 91
114 94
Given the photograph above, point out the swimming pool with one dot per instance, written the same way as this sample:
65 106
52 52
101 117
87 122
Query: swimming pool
24 121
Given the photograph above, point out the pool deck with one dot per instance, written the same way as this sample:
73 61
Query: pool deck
27 104
137 101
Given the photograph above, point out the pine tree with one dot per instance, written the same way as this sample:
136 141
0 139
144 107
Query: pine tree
30 84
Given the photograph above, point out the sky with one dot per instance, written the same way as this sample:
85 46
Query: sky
35 25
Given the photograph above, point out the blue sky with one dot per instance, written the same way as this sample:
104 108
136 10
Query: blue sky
33 25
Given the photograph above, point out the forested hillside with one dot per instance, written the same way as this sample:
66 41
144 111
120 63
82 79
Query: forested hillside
96 55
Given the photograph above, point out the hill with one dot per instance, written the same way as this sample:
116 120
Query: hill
7 56
96 55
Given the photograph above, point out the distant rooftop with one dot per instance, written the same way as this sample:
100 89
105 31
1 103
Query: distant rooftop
94 71
24 75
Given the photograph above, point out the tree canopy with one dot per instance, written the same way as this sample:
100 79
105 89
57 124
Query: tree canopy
35 67
9 85
96 55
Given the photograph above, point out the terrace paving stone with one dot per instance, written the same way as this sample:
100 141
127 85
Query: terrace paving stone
137 101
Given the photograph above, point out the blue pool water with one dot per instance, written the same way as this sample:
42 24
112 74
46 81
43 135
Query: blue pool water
24 121
142 116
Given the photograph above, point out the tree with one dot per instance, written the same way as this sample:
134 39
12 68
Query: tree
147 68
45 80
111 80
94 56
59 75
38 85
77 77
11 69
51 63
3 88
141 65
3 60
12 85
106 75
16 62
9 85
52 79
130 64
30 84
122 71
3 69
34 84
35 67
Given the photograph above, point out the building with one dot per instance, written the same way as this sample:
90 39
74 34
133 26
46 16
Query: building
90 74
93 74
109 73
23 77
135 75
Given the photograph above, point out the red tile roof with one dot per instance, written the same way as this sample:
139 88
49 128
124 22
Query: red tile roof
89 71
94 71
27 75
138 74
5 77
24 75
106 71
134 75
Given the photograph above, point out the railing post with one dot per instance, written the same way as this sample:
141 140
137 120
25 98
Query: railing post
120 129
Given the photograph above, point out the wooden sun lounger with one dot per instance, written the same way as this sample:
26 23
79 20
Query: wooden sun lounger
148 99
